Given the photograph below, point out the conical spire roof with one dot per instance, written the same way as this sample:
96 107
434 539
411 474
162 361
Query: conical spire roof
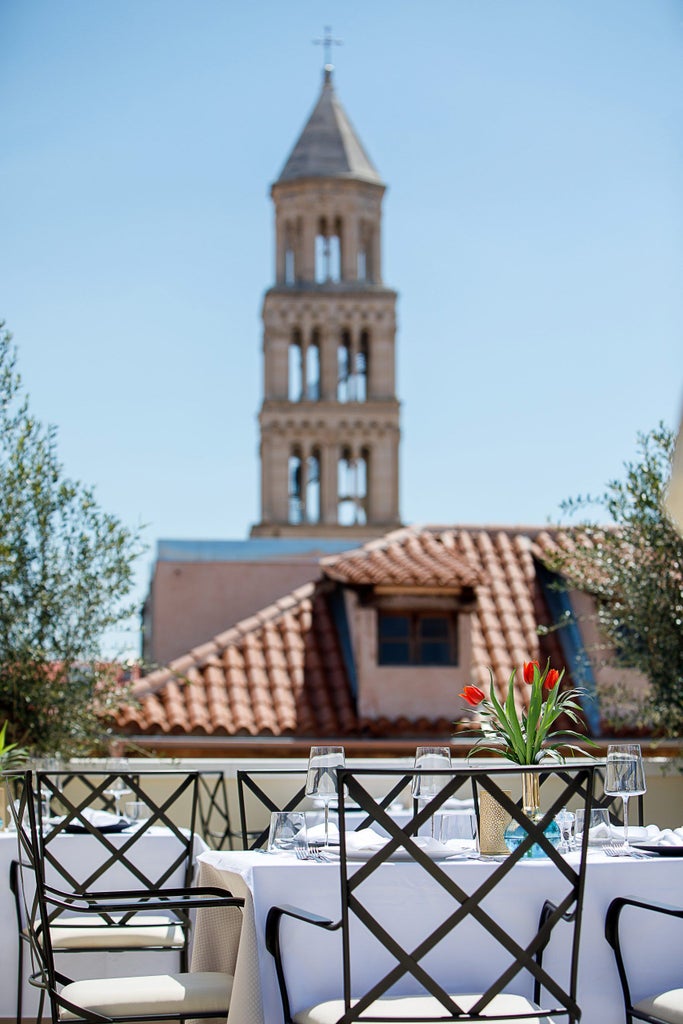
328 147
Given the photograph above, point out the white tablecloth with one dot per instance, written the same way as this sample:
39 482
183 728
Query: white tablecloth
402 895
155 848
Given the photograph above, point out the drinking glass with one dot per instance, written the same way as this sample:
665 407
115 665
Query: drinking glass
599 828
458 830
118 788
321 778
287 831
425 787
625 776
137 811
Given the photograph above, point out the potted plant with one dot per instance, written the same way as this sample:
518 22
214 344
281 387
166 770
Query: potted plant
11 756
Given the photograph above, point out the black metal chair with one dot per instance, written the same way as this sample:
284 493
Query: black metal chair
114 859
256 799
48 911
514 984
666 1006
213 811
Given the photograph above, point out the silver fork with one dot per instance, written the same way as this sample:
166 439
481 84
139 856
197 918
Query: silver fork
308 854
615 849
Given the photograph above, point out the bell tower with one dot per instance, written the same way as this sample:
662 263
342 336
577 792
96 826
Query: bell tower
329 422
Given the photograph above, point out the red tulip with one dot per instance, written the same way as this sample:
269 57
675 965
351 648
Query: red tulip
551 678
529 667
473 695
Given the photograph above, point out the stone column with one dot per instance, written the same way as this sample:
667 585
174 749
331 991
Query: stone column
350 247
279 247
276 365
329 335
329 454
276 483
382 375
308 247
383 480
376 247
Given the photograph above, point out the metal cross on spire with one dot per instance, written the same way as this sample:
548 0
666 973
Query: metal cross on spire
328 41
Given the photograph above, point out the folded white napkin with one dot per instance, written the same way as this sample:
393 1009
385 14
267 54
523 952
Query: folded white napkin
365 839
428 844
636 833
670 837
369 840
99 818
661 837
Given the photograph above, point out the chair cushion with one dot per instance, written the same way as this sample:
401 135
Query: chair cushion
667 1006
413 1009
203 992
139 933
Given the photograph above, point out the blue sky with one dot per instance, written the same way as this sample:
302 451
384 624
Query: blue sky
532 227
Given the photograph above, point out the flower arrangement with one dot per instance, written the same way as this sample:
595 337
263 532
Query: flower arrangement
522 739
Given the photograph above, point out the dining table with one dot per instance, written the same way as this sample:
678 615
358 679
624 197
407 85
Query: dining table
411 904
156 846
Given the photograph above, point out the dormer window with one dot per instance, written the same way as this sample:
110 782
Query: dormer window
417 638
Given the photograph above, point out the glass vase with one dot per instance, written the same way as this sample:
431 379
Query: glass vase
531 805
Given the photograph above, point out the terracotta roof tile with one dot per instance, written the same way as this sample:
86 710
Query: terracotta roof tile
404 558
281 672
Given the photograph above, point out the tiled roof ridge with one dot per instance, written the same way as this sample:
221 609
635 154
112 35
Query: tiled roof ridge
376 544
441 531
199 656
437 555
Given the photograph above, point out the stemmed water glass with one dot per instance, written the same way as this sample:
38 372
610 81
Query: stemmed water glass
321 778
625 777
425 787
118 788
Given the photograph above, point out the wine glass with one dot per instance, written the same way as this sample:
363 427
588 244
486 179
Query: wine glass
425 787
118 788
625 777
321 778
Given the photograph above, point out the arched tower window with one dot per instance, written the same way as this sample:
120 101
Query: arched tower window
359 390
352 474
313 487
364 259
344 367
313 368
290 259
295 484
296 367
328 254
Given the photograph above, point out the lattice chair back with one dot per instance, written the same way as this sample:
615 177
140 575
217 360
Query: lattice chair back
262 791
468 949
613 804
214 812
115 860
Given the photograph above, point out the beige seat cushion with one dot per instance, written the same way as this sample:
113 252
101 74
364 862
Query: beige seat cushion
140 933
411 1008
667 1006
203 992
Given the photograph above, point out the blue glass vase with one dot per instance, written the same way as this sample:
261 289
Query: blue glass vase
515 834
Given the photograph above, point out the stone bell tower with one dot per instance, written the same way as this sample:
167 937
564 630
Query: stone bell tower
329 421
